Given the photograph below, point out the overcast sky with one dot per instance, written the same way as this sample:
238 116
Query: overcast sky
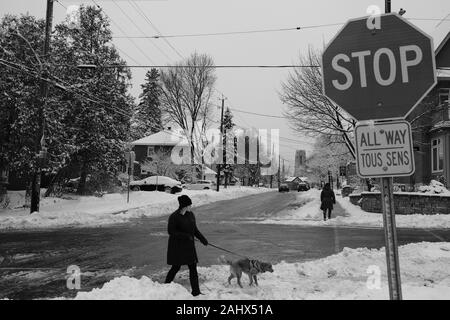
253 90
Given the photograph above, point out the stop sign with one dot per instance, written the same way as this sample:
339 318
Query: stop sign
378 73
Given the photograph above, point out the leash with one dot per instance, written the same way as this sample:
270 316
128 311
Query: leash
223 249
236 254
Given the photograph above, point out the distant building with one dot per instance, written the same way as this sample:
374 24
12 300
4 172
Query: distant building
300 163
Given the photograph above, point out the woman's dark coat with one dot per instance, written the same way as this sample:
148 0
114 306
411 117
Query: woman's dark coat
328 199
182 229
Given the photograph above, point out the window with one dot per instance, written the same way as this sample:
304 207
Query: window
150 151
444 94
444 97
437 155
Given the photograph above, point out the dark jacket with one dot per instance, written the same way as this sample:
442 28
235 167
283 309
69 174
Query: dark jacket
328 199
181 248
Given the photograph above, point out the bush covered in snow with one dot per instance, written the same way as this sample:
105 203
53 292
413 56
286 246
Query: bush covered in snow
435 187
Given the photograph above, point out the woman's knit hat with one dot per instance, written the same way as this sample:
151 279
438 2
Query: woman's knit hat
184 201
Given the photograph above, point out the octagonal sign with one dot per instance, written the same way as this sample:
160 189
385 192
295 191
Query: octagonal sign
378 73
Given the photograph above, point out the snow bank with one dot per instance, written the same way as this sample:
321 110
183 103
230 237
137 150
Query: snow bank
351 274
111 208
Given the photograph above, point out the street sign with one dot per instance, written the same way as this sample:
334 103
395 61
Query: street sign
378 73
384 149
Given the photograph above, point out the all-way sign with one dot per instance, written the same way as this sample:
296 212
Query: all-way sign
384 149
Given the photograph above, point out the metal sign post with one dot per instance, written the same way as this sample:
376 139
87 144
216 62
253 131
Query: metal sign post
390 235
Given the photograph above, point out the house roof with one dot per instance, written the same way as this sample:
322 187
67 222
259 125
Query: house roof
207 170
442 44
162 138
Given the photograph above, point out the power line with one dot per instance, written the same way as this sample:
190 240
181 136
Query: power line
234 32
61 4
131 58
281 137
258 114
137 27
199 66
227 33
121 30
136 4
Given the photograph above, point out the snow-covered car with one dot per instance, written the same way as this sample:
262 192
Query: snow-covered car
283 188
303 186
160 183
200 185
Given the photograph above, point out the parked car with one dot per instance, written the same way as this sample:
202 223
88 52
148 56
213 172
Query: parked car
303 186
160 183
346 190
283 188
200 185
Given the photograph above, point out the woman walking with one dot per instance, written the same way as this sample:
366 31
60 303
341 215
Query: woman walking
181 249
327 198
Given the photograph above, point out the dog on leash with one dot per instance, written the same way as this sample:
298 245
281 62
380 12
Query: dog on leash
247 266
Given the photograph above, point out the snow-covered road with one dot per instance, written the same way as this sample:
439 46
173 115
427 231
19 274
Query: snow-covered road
40 258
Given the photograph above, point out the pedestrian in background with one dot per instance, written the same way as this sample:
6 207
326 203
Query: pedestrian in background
327 199
181 249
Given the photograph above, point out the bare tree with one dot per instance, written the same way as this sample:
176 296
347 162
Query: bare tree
308 110
161 165
185 99
329 153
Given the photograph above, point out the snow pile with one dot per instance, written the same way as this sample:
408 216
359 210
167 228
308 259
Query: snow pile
351 274
111 208
435 187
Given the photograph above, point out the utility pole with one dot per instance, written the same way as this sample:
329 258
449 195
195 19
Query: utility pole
223 151
40 139
279 157
271 176
387 6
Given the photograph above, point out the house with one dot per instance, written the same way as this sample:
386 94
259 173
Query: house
157 146
430 122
